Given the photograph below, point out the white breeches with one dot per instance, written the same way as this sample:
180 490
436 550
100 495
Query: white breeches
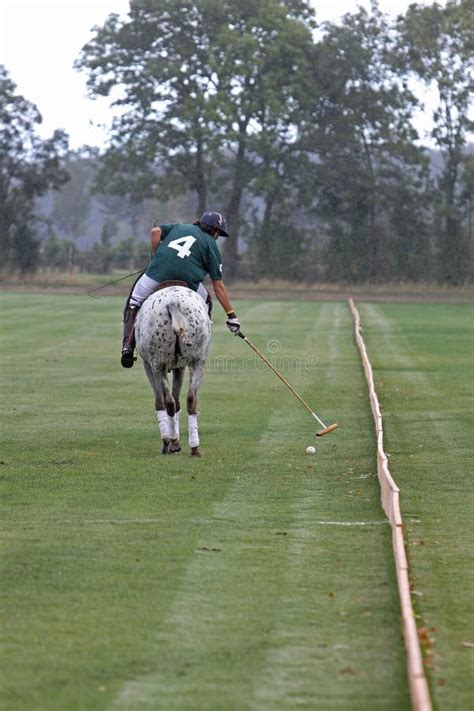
146 286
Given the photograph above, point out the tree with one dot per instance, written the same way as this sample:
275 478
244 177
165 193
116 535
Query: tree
200 81
72 203
467 203
29 167
438 43
100 257
361 141
55 252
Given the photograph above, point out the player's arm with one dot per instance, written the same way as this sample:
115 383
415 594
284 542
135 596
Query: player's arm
222 296
155 239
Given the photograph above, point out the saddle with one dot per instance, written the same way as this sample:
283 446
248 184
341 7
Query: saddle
171 282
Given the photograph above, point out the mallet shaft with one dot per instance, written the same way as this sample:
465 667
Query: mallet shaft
265 360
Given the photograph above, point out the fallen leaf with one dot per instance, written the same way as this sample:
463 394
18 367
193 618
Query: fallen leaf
347 670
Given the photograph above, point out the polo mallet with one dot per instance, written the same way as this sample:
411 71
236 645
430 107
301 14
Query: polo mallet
321 433
91 292
111 283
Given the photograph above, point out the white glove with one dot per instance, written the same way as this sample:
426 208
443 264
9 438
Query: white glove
233 323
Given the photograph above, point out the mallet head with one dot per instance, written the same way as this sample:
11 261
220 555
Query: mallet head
326 430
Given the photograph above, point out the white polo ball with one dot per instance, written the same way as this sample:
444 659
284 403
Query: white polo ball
310 450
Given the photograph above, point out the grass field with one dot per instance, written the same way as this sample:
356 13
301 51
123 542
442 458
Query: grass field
258 577
423 358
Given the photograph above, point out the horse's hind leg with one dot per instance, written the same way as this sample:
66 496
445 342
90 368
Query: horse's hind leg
196 375
173 410
159 384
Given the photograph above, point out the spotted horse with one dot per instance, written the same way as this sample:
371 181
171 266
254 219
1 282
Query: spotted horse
173 331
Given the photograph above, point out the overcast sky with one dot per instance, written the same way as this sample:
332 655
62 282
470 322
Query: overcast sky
40 39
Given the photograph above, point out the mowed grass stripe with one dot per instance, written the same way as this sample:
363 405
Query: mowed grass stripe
108 545
266 599
422 358
213 629
345 633
72 452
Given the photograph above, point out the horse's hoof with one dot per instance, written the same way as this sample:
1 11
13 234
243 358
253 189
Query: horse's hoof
165 448
195 452
128 358
174 446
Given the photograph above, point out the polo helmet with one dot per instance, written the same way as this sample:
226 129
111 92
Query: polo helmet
214 220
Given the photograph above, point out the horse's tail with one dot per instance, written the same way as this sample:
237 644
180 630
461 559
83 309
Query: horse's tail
179 322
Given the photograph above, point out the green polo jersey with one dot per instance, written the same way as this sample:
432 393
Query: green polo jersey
187 253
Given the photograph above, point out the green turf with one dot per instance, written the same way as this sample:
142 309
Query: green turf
423 360
132 580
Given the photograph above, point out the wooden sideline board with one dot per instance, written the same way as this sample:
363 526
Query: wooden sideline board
390 497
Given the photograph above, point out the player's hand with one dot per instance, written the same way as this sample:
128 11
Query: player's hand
233 323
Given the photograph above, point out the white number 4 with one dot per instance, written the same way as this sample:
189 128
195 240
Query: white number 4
183 245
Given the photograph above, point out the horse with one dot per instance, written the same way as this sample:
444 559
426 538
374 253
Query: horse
173 330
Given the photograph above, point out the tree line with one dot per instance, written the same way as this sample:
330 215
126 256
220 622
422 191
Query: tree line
303 135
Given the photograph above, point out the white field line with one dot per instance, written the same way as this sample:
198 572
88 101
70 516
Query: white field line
352 523
154 521
86 522
419 692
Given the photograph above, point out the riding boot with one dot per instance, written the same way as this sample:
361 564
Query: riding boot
128 344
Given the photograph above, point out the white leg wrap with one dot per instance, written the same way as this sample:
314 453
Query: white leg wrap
174 426
163 423
193 433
